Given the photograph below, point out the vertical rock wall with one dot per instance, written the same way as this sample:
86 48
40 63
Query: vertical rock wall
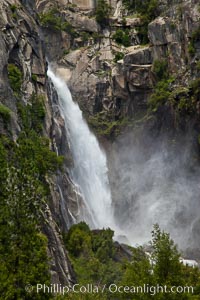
21 45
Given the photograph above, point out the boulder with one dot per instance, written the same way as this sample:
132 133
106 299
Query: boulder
83 23
138 56
140 76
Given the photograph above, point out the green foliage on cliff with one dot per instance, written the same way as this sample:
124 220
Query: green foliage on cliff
5 112
102 12
24 167
13 8
118 56
161 94
194 38
95 259
15 78
160 69
106 125
122 37
194 86
93 255
164 269
32 144
34 77
32 115
148 10
183 101
162 89
167 268
53 20
23 256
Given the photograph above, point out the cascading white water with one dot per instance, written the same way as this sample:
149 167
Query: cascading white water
153 183
90 167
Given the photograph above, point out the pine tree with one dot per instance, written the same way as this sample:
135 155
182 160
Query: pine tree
23 255
102 12
167 268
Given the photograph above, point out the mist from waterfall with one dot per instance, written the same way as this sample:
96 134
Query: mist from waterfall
89 171
155 179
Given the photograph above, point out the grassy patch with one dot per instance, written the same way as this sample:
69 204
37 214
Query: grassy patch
32 115
53 20
5 112
118 56
161 94
147 10
160 69
15 78
102 12
105 125
34 77
195 37
122 37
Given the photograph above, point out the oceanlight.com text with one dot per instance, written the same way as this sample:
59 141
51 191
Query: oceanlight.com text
112 288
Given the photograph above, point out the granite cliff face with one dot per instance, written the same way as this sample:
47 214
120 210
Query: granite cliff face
104 76
122 85
21 45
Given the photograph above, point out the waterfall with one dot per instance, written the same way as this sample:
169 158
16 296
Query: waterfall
89 172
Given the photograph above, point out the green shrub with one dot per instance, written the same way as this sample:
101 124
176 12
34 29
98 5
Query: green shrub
102 262
33 150
13 8
5 112
191 49
122 37
105 125
196 34
15 78
25 166
97 36
36 149
124 21
160 69
34 77
102 244
102 12
195 37
92 254
162 90
53 20
166 257
144 7
161 94
85 36
24 191
65 52
194 87
32 115
142 31
198 65
183 101
148 10
78 239
172 26
118 56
